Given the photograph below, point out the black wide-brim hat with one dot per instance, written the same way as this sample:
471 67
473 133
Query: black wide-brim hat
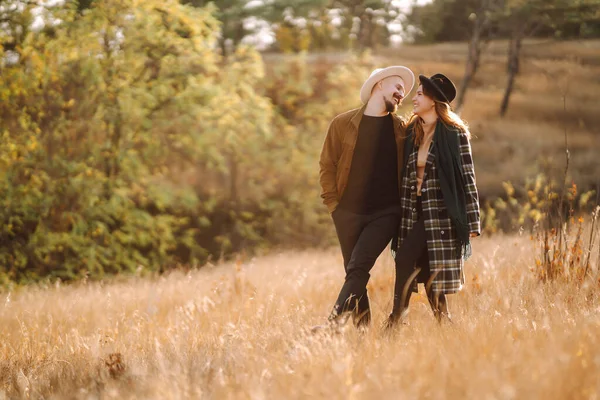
441 86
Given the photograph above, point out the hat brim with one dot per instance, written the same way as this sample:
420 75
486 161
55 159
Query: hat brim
406 74
425 81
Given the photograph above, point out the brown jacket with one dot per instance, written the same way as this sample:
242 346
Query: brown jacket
338 150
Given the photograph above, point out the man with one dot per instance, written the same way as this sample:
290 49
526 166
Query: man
360 173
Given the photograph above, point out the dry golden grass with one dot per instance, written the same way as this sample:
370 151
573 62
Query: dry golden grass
241 331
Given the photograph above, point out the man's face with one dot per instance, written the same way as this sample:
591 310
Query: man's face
392 90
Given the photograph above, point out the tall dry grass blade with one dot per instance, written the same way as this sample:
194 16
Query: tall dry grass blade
408 284
591 240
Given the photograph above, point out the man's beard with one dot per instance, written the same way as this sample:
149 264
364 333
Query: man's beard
390 106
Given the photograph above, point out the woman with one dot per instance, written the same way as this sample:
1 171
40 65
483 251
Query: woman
439 201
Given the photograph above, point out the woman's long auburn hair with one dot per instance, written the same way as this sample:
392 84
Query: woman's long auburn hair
444 112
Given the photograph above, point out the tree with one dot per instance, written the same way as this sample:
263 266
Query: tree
365 21
483 21
298 24
524 18
232 15
446 20
442 20
84 5
517 19
15 23
95 116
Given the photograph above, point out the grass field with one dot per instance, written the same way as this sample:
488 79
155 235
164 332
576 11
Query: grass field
241 331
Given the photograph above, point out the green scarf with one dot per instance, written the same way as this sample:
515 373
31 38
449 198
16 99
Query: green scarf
446 148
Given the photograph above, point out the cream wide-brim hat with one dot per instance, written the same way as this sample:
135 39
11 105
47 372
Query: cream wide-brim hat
381 73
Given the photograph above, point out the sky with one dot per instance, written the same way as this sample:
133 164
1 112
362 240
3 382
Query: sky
264 35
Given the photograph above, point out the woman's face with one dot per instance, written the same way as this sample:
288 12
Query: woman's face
421 102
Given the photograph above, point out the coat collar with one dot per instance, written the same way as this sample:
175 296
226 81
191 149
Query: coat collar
430 160
358 116
412 161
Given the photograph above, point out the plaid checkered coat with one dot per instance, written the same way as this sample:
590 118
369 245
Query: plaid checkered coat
445 260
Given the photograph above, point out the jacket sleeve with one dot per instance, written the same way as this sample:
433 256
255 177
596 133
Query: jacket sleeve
330 155
468 170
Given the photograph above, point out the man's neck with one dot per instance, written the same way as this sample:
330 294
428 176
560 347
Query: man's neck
376 108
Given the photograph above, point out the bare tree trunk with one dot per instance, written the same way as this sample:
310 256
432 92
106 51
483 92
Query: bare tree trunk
362 36
233 179
476 46
514 54
224 45
471 66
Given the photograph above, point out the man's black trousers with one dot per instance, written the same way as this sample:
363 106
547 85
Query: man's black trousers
362 239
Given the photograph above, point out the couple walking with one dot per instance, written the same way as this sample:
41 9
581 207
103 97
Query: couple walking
411 183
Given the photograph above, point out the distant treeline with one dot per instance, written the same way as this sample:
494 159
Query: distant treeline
299 25
454 21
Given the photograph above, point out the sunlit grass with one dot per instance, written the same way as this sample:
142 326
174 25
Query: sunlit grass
241 330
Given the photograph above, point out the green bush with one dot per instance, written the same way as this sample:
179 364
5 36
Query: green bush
129 145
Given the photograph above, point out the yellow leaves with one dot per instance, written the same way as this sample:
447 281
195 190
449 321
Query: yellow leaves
500 204
508 188
13 151
24 121
573 190
99 230
584 198
532 197
33 143
535 215
69 104
35 181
